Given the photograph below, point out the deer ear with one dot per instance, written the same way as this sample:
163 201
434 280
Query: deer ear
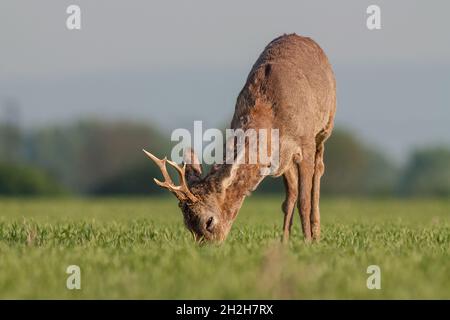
193 166
229 177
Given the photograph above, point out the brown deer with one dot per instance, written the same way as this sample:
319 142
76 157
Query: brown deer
291 87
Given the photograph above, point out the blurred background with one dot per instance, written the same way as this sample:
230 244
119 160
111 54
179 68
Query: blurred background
77 107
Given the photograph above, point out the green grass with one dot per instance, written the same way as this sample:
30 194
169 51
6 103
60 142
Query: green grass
138 248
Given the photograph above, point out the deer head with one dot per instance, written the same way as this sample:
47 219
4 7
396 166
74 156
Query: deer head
201 200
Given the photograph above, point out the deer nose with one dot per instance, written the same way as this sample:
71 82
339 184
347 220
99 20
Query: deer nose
209 224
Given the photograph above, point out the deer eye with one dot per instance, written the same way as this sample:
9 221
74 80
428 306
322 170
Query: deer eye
208 223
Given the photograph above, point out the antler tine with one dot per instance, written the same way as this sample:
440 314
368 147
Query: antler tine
182 192
161 163
184 186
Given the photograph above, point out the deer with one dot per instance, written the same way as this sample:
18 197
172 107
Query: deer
291 87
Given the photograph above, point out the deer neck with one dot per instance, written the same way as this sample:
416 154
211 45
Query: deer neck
244 182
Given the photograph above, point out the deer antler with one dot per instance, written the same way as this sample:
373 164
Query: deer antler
182 191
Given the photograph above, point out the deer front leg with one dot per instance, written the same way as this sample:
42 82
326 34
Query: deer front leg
306 172
290 179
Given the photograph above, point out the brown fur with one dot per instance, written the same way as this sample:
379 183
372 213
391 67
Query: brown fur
291 87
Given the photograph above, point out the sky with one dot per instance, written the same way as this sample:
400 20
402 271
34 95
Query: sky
169 63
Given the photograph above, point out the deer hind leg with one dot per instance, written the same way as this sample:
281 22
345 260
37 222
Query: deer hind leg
306 173
319 169
318 172
290 179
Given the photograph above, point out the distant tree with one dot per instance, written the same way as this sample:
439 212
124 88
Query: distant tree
136 180
10 143
87 154
354 168
20 180
427 173
10 133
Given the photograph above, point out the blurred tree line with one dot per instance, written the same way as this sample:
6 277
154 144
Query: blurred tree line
105 158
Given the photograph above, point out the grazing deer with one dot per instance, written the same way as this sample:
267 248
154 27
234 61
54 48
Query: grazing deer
291 87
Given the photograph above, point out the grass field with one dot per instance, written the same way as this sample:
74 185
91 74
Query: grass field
138 248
